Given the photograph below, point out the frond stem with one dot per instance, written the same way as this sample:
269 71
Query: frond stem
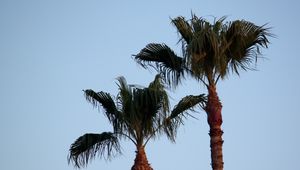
132 140
204 83
157 129
191 72
217 79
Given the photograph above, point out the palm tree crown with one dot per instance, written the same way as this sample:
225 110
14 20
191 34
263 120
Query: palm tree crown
136 113
210 51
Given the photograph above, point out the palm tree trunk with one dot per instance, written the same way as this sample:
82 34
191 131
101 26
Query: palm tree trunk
141 162
214 119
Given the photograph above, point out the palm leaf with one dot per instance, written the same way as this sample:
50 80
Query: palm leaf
159 88
245 40
184 28
124 95
88 146
126 103
162 59
104 100
180 111
187 103
159 103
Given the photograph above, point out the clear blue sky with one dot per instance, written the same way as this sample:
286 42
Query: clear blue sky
50 50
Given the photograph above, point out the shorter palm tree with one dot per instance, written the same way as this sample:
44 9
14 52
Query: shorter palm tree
138 114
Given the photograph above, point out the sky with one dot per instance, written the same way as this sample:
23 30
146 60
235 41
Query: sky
51 50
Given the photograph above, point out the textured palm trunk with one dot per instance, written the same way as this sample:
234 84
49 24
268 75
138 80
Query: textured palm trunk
214 119
141 162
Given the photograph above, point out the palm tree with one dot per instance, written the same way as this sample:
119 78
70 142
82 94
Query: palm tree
138 114
210 52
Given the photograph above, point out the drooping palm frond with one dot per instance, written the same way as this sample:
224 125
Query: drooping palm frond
105 100
180 111
164 60
187 103
245 40
102 100
89 146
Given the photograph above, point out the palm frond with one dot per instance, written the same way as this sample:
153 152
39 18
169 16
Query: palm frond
88 146
218 26
184 28
180 111
162 59
124 95
246 40
159 88
126 103
161 102
188 103
104 100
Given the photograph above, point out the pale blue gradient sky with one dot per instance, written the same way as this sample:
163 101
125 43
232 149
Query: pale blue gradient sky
51 50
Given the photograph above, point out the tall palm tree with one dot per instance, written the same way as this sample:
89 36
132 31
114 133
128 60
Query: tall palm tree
136 113
210 52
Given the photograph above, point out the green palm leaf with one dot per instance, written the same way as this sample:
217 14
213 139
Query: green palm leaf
180 111
185 104
89 146
159 89
244 38
104 100
164 60
124 100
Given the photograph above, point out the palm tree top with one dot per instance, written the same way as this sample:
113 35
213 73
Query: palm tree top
137 112
210 50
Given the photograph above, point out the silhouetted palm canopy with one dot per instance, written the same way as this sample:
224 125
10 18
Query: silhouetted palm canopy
210 51
136 113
